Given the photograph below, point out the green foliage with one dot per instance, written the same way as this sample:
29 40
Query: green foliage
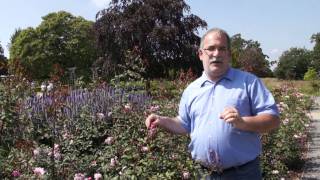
248 56
61 39
293 64
311 74
160 33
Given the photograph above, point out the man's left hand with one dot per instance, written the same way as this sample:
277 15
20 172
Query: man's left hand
232 116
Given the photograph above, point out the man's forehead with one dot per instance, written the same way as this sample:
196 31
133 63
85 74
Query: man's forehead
213 36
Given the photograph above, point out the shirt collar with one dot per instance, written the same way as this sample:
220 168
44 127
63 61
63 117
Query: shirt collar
229 75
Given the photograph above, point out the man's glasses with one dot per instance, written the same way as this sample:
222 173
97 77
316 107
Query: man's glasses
211 49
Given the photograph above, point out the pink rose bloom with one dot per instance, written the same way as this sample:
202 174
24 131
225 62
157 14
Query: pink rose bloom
16 173
36 152
114 161
109 140
127 108
100 116
144 149
93 163
186 175
97 176
39 171
79 176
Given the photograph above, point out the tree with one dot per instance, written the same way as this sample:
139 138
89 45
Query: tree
315 62
61 40
3 62
293 64
158 33
248 56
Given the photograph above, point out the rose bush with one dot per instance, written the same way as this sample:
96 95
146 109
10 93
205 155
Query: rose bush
99 133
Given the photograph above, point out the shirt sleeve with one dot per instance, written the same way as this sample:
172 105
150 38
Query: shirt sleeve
184 113
262 100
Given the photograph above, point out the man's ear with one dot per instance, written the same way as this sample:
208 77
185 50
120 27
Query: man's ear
200 53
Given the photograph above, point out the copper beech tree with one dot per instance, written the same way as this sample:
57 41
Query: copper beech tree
147 37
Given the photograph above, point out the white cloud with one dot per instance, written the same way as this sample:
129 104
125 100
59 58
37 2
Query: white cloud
101 3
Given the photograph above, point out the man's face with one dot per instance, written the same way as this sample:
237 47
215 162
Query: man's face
215 55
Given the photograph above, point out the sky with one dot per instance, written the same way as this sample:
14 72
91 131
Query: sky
277 25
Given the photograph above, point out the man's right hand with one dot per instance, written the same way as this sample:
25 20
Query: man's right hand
152 121
170 124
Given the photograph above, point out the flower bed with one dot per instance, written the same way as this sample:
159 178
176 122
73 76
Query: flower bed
99 133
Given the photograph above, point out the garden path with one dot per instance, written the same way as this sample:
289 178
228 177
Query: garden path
312 166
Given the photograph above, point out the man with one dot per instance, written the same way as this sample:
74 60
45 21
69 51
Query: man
224 111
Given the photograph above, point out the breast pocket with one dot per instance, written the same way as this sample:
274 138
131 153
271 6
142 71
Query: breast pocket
241 104
233 102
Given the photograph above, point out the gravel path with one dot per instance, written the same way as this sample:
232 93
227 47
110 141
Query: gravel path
312 166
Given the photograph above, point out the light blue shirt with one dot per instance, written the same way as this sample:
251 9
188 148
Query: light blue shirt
214 141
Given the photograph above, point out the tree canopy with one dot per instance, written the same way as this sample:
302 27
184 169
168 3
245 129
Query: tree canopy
293 64
248 56
3 62
61 40
159 35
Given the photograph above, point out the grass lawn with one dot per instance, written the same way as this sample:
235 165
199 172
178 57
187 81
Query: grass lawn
303 86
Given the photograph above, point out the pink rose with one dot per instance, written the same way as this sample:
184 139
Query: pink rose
144 149
39 171
16 173
114 161
97 176
186 175
79 176
109 140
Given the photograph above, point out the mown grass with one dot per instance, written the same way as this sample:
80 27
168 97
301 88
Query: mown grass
307 87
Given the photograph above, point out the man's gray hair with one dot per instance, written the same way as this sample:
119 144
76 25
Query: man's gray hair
220 31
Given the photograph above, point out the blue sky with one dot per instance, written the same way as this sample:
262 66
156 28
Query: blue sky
277 24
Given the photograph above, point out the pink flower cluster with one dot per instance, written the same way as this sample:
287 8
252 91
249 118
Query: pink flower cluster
39 171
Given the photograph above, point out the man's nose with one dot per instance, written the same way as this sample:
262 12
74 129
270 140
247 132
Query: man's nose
215 52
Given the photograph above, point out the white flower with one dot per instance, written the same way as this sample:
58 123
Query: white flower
127 107
43 87
97 176
275 172
39 171
100 116
50 87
